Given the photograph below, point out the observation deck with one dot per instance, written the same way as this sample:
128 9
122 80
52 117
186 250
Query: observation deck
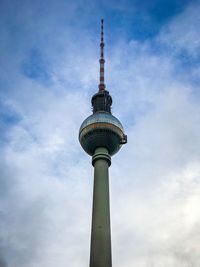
101 129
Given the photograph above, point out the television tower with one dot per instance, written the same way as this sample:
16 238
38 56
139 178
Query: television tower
101 135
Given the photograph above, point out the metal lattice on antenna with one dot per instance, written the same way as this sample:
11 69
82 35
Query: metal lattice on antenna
102 60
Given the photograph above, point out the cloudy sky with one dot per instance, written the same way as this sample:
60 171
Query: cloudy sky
49 54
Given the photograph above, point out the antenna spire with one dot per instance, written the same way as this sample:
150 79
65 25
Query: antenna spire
102 60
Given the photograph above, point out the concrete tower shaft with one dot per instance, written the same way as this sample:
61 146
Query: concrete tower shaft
100 249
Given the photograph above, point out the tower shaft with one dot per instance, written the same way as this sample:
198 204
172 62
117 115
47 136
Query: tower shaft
100 253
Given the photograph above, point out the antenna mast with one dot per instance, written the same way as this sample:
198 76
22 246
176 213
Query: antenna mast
102 60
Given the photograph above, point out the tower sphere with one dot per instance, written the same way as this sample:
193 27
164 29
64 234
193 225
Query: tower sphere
101 129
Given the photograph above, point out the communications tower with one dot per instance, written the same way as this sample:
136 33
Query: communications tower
101 135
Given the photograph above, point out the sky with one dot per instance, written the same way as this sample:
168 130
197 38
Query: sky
49 52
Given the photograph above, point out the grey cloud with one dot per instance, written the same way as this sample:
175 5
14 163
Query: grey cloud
3 262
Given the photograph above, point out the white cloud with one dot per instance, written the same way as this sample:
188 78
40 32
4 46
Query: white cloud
182 33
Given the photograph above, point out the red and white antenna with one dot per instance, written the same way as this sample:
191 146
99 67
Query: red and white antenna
102 60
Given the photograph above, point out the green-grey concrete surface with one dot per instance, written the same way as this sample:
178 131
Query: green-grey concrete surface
100 253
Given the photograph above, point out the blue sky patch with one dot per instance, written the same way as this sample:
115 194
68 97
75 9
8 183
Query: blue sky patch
35 67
